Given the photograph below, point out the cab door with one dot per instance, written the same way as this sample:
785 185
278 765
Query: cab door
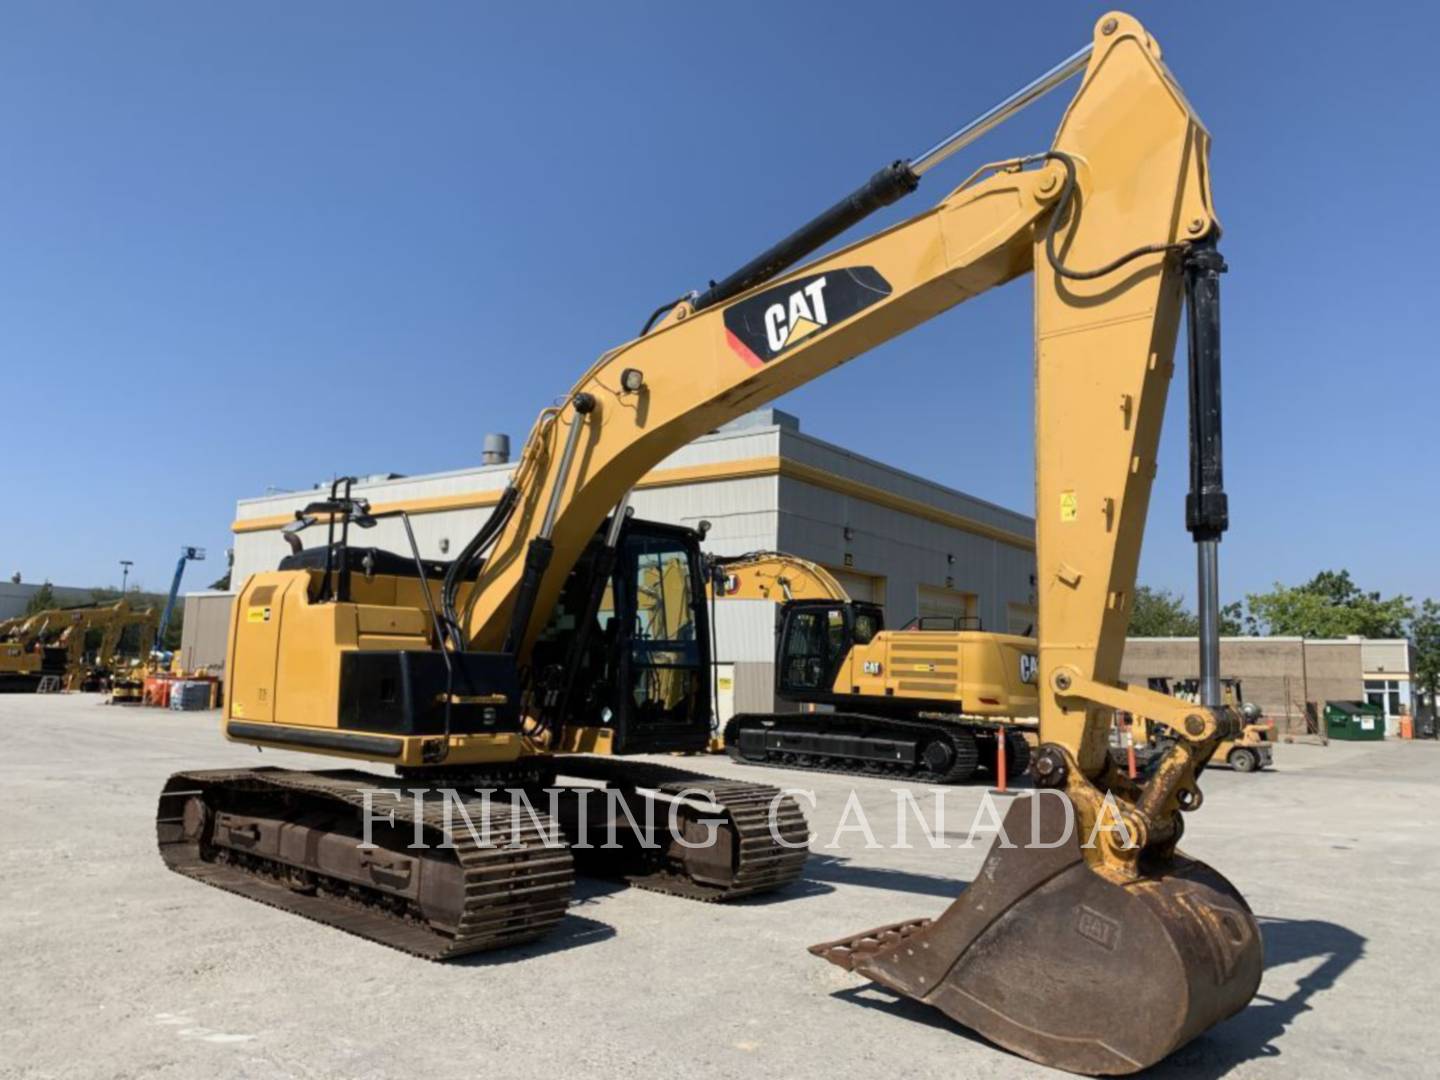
815 645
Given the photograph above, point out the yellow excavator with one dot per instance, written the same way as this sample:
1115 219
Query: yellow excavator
920 702
1097 948
88 669
1251 750
54 643
26 656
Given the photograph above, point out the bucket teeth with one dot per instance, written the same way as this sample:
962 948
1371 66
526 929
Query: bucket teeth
847 952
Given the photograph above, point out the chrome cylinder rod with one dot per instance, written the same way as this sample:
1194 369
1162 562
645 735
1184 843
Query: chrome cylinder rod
617 521
890 184
1208 561
584 405
994 117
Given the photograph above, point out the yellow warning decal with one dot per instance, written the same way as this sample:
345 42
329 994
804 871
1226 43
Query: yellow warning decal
1069 506
257 614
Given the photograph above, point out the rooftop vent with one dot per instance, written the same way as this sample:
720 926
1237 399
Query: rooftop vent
496 449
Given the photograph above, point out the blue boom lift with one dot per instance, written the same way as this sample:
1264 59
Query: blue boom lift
187 554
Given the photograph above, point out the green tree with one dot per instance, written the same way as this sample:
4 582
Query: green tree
1329 605
222 584
43 600
1161 613
1425 633
1232 619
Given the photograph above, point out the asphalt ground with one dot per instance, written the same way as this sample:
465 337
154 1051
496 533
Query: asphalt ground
115 967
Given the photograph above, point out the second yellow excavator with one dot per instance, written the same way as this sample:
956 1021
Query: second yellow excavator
26 659
102 638
76 646
1089 941
921 702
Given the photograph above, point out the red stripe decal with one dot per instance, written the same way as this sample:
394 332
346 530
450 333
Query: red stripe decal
742 350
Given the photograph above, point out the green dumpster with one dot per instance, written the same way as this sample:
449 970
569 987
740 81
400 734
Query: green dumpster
1354 720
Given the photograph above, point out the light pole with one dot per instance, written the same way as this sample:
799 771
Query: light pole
125 565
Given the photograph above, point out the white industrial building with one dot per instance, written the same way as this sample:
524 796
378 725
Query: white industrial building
16 596
1387 665
889 536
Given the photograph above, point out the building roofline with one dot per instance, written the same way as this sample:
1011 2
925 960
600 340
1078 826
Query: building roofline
895 470
1023 524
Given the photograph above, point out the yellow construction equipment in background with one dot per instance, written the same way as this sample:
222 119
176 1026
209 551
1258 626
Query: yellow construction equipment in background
1248 751
921 701
125 634
25 658
80 646
1098 948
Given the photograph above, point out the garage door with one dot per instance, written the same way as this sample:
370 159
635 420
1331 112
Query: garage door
861 586
934 600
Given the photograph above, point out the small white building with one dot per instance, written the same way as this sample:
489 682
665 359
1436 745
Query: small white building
892 537
1387 665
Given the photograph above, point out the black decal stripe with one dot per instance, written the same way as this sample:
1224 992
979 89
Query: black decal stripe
848 291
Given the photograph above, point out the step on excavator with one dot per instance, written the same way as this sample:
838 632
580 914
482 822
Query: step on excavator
533 653
920 702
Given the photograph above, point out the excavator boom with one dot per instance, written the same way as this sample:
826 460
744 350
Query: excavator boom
774 576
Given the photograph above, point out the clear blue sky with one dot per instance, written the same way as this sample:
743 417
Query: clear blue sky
259 244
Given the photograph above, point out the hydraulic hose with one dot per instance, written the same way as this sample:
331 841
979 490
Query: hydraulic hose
1061 216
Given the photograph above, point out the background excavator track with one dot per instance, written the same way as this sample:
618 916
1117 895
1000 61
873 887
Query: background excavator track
950 753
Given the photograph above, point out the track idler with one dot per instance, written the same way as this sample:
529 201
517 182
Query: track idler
1048 958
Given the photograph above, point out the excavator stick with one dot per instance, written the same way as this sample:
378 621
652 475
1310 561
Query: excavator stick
1053 961
1089 942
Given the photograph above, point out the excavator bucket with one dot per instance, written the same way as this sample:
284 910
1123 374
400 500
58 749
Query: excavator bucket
1047 958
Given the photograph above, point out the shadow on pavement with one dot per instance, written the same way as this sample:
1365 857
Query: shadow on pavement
590 887
839 871
875 997
1252 1033
572 932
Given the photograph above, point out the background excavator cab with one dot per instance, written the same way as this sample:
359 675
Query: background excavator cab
815 641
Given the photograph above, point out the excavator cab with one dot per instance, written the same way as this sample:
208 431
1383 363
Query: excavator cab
626 654
816 638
